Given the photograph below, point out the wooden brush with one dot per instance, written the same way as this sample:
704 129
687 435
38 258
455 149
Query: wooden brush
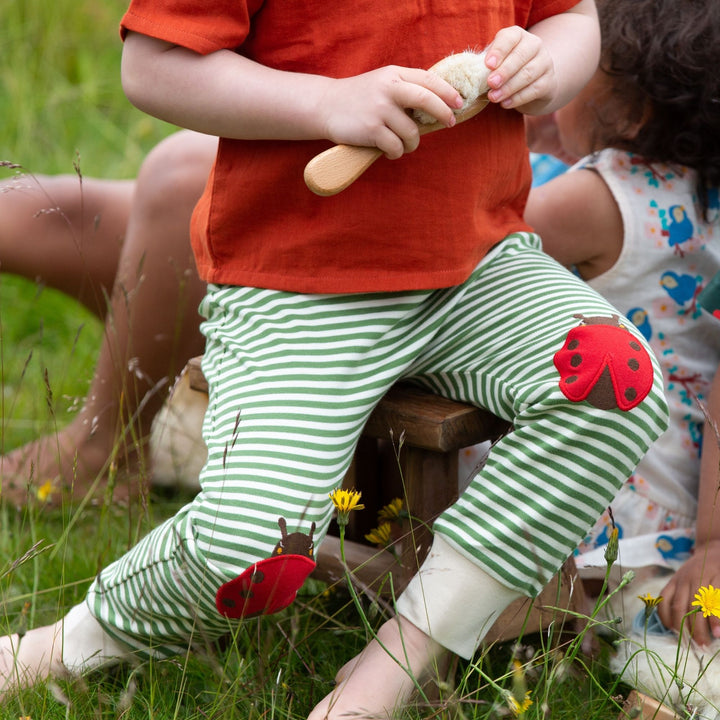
337 168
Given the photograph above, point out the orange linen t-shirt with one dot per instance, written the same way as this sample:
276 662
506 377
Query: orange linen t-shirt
422 221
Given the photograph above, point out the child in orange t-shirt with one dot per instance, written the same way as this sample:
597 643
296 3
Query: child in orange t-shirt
424 270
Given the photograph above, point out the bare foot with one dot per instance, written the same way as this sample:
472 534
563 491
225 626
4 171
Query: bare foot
373 684
69 464
73 645
32 658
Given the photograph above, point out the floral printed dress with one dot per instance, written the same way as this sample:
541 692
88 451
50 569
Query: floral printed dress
671 250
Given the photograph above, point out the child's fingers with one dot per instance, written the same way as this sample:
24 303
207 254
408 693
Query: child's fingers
502 45
429 92
372 109
398 137
701 630
416 89
519 93
676 609
521 68
674 605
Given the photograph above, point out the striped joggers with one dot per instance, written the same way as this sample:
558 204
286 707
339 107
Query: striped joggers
292 381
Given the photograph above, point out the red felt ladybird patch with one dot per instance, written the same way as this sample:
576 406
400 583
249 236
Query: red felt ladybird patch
270 585
603 363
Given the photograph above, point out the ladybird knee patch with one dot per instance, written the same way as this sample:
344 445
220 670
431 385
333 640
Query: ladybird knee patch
270 585
603 363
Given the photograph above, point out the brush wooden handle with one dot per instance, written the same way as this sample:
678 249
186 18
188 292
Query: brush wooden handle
340 166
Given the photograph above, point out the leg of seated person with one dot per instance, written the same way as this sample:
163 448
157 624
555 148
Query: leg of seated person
151 330
65 232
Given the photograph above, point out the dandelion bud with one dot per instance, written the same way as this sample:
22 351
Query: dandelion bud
611 551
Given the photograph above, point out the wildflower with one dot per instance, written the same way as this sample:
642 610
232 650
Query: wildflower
519 690
611 551
391 511
650 603
345 501
708 599
519 708
380 535
44 492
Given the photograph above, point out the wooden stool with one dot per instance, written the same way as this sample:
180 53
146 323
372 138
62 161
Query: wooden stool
642 707
409 449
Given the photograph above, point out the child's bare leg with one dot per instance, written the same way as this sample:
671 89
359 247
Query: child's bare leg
151 330
65 233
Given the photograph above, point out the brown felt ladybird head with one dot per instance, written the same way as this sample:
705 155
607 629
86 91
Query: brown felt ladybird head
603 363
296 543
272 583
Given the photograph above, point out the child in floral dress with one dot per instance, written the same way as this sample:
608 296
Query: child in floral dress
638 218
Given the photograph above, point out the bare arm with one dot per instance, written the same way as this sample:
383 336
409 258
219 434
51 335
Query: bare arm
541 69
703 568
231 96
578 220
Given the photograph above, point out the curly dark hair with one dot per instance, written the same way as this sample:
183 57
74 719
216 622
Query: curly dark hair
663 57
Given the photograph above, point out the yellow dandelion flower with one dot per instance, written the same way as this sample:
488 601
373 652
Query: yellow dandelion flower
519 708
708 600
519 690
391 511
345 501
380 535
650 601
44 492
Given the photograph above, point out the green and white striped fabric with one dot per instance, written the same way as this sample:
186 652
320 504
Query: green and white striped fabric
294 377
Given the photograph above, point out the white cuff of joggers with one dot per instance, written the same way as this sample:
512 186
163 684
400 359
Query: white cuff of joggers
453 600
86 645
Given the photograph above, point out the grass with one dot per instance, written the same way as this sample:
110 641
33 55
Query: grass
62 105
42 332
60 93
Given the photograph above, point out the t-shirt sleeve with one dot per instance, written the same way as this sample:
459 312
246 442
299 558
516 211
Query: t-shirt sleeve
200 26
542 9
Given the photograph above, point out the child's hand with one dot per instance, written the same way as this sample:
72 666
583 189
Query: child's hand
370 109
702 569
522 72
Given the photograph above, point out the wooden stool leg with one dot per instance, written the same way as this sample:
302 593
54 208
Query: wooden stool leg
430 486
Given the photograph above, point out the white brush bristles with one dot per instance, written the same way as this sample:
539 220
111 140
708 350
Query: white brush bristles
467 73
